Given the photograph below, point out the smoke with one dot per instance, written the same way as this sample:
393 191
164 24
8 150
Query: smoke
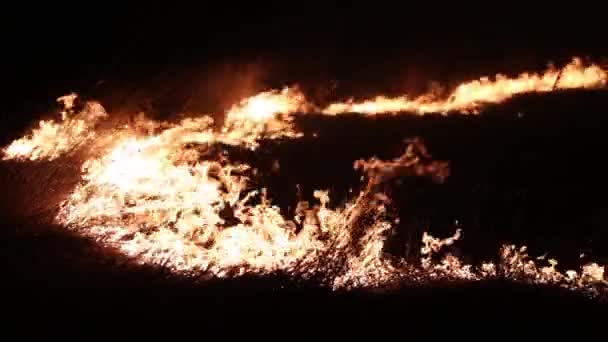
219 86
172 93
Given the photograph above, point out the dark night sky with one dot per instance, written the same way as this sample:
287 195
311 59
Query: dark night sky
379 46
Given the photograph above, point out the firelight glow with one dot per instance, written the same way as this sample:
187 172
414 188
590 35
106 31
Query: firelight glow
159 198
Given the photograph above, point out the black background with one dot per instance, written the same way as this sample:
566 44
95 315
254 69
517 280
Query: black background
366 49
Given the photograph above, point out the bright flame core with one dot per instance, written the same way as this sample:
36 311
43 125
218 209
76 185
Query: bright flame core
158 196
266 115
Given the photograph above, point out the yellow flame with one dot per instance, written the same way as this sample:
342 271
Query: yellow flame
266 115
469 96
52 139
269 115
153 192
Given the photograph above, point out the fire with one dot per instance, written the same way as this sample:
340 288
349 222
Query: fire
171 204
52 139
155 201
469 96
267 114
159 193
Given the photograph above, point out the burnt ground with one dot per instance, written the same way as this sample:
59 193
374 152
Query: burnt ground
526 172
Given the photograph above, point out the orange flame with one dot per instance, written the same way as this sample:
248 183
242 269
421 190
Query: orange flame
264 115
469 96
158 198
52 139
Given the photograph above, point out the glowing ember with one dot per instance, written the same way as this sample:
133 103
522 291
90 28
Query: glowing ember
153 192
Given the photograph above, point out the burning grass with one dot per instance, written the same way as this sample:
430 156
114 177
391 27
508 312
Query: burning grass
153 191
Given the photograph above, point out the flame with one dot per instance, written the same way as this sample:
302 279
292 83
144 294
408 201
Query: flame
267 115
162 204
52 139
153 200
469 96
156 192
